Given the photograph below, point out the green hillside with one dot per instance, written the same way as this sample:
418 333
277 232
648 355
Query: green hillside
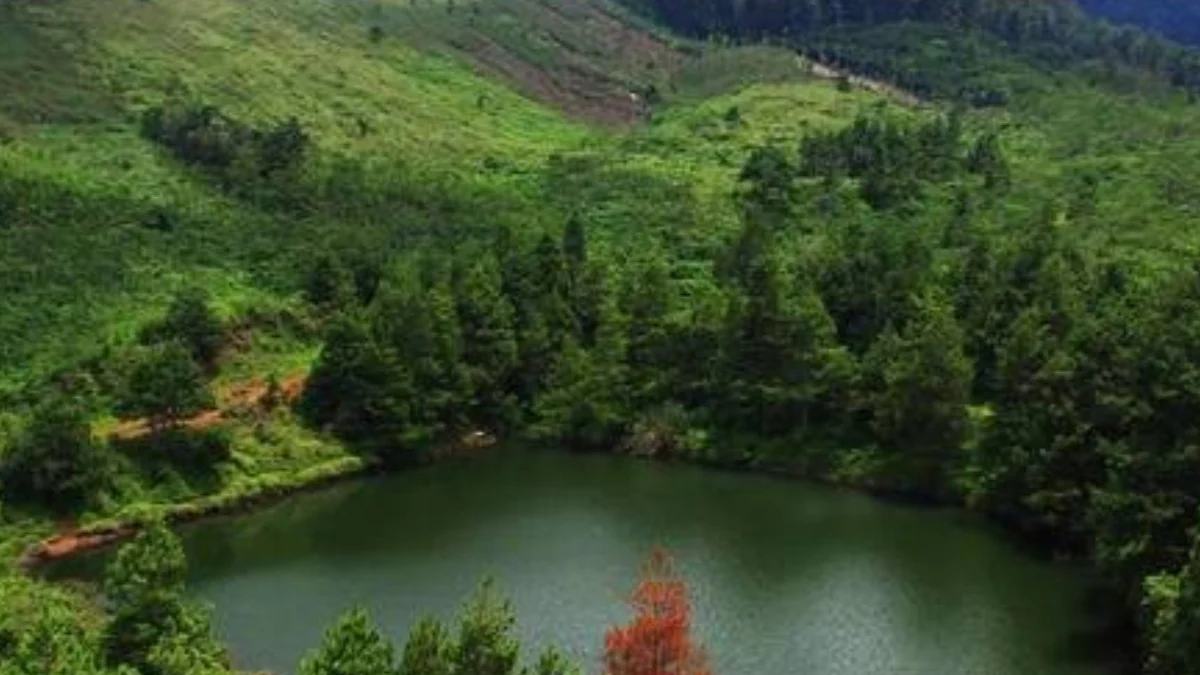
941 249
422 123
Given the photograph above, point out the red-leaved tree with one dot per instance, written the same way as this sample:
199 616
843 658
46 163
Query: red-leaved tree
658 641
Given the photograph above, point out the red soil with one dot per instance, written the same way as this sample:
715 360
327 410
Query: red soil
73 540
241 395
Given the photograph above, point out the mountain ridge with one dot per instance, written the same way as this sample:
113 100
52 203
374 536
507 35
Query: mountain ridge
1175 19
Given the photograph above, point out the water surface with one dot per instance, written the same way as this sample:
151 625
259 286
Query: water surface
788 578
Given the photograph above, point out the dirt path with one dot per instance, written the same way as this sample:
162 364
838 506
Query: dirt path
72 540
240 395
876 86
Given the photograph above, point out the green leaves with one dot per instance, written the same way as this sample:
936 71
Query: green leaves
56 463
42 632
166 384
917 384
191 322
429 650
1172 602
153 564
484 645
553 662
154 628
353 646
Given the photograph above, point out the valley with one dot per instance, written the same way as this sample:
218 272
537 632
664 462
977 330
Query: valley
938 251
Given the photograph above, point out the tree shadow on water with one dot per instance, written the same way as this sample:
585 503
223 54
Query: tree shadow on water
1108 644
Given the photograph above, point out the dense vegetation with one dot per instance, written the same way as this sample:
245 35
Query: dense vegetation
1176 19
1057 32
985 296
904 337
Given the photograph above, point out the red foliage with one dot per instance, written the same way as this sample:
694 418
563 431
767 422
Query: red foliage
658 641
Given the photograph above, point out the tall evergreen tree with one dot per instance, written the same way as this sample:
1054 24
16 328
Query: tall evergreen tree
917 385
575 245
428 651
586 401
423 328
352 646
485 644
361 390
489 343
154 628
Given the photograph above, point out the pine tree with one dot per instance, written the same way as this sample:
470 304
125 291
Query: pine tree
329 285
192 322
553 662
917 387
353 646
658 641
154 628
428 651
574 243
361 390
769 181
645 305
489 343
782 359
423 328
485 644
587 400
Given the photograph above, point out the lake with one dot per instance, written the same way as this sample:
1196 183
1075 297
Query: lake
788 578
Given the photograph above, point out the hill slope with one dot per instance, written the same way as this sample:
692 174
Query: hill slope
416 123
905 251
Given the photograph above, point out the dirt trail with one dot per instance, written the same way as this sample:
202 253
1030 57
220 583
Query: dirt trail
69 544
73 540
240 395
876 86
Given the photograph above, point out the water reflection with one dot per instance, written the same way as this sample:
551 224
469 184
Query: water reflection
789 579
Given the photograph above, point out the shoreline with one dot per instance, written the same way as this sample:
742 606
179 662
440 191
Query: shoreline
106 534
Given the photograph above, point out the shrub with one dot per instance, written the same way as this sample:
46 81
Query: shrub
165 385
235 152
192 322
56 463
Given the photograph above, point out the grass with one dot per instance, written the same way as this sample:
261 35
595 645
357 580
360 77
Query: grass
444 125
411 140
585 58
719 70
1130 134
272 457
415 137
437 126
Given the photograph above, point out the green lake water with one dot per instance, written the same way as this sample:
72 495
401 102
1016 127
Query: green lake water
787 578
